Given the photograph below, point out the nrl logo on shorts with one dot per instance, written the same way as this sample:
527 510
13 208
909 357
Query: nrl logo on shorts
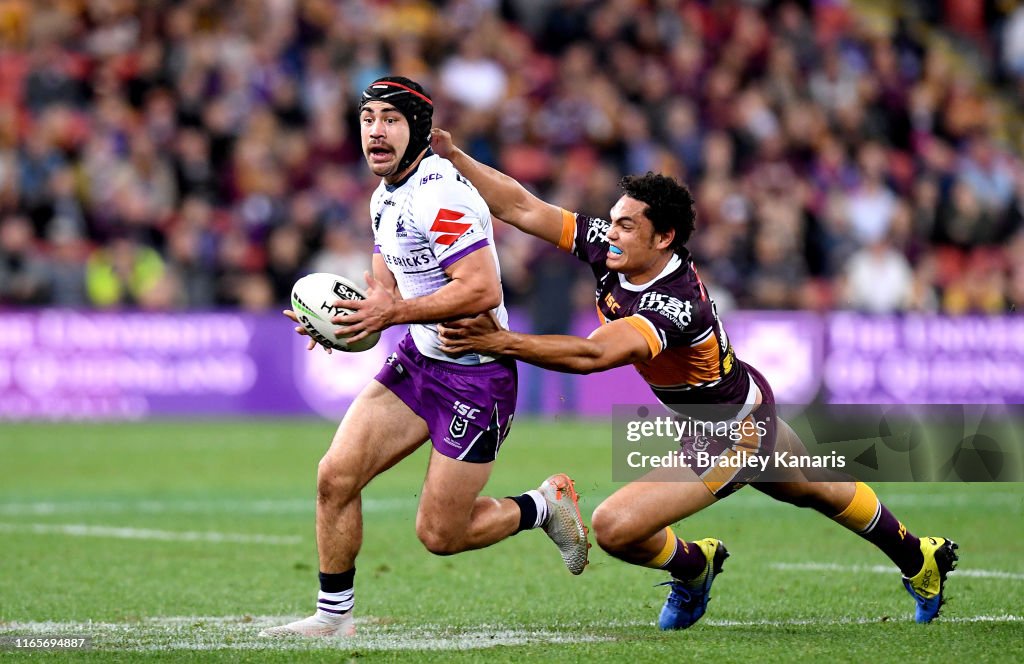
458 427
460 421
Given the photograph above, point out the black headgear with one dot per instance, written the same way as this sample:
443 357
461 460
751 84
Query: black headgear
411 101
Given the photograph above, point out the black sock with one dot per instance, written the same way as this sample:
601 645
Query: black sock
527 512
336 583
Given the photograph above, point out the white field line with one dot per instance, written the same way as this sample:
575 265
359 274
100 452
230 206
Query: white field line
1014 501
799 622
284 506
885 569
84 530
242 633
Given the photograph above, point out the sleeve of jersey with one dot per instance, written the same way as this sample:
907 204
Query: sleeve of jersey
584 237
452 227
655 340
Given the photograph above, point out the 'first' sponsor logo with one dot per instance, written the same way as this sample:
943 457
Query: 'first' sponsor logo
676 310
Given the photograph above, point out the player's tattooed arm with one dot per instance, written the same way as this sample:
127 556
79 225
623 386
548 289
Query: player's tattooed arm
507 199
613 345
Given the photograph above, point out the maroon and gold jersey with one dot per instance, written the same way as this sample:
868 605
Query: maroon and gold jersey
692 361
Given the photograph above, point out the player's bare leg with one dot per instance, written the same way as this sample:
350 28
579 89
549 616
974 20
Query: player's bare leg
377 432
829 494
633 524
453 517
924 562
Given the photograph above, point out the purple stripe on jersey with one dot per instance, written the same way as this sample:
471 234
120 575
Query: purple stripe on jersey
376 248
463 252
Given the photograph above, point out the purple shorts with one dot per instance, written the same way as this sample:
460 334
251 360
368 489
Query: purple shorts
723 480
468 408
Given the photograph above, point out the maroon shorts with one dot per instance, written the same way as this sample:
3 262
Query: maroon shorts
725 463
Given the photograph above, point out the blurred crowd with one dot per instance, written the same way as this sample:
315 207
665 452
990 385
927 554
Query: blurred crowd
167 154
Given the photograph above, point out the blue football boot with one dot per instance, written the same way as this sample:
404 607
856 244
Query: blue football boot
687 600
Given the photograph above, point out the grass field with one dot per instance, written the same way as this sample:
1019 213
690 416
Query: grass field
178 542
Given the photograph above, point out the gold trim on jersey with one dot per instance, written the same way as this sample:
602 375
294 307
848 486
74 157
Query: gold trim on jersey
644 327
568 235
702 337
687 366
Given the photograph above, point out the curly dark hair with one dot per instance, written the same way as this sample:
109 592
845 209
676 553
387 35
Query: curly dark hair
669 204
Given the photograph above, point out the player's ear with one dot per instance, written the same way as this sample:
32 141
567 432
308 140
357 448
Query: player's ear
664 240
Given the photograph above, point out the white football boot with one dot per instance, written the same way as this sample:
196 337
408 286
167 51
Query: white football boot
564 524
313 626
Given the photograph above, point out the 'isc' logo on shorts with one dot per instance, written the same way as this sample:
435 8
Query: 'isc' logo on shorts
465 410
460 421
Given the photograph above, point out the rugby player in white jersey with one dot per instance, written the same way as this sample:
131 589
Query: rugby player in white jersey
434 260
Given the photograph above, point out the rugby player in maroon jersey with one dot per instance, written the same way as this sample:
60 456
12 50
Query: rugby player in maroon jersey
657 315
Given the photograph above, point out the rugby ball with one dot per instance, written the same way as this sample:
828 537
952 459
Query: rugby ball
313 298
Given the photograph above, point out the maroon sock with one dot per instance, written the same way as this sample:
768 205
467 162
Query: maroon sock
687 562
895 541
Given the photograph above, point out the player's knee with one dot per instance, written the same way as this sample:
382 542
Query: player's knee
438 541
335 483
612 532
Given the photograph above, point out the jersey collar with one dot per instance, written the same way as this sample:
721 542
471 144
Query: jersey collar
671 266
392 187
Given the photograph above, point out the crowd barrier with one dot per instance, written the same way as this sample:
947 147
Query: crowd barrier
59 364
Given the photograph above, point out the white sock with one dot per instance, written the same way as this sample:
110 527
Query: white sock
542 507
332 608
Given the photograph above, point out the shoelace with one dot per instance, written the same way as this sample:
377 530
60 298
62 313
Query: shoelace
680 595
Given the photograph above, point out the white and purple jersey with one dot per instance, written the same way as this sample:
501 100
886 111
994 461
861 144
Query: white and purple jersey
422 225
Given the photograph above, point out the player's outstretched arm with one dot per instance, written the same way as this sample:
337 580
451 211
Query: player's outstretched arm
613 345
507 199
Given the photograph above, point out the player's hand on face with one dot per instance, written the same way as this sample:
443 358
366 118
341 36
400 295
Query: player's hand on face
476 333
441 142
373 314
302 331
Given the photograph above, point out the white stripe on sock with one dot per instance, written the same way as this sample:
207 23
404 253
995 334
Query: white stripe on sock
874 520
342 601
542 507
